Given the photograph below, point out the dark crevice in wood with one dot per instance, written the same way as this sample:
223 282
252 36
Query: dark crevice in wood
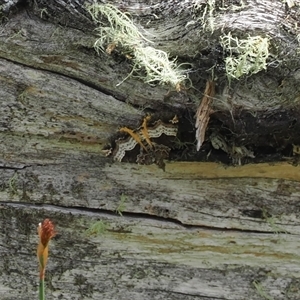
14 168
143 216
271 138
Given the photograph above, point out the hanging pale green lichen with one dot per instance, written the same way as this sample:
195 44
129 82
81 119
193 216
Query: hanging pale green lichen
245 56
122 33
207 13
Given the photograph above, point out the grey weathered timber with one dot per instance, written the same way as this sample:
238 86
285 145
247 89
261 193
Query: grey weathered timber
197 230
138 257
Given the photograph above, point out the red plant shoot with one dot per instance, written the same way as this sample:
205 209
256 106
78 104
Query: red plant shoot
46 231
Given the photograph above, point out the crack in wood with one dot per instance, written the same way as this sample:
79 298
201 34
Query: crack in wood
203 296
14 168
143 216
116 95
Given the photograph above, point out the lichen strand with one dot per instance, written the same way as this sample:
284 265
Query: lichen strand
244 56
151 64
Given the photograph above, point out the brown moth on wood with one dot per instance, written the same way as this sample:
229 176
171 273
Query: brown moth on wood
150 152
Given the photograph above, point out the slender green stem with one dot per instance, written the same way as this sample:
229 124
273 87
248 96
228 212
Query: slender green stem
42 289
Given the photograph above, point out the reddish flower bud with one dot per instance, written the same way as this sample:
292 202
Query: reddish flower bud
46 232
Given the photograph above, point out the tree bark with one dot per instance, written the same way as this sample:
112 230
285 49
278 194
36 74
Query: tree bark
202 228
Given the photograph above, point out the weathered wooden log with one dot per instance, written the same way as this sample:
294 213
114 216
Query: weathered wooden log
202 228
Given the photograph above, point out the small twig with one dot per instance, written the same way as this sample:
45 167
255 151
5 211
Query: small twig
203 113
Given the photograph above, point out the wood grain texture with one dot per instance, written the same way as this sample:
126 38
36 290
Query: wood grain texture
137 257
199 230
